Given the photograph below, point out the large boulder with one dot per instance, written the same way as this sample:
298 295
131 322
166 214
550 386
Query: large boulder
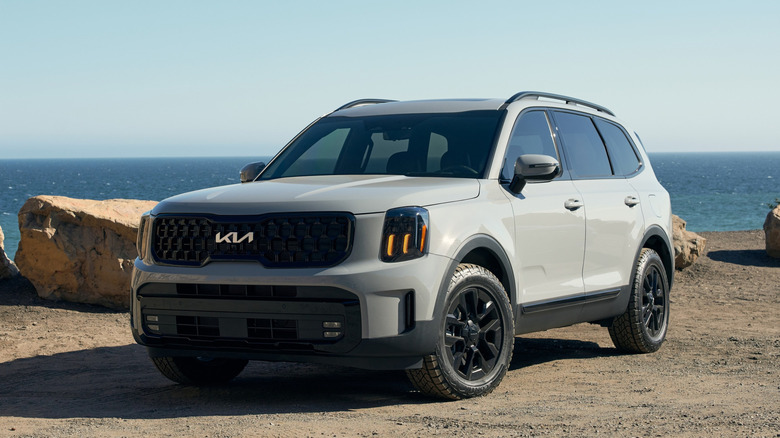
772 232
7 267
688 246
80 250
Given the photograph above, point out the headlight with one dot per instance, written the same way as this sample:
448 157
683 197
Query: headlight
405 234
143 234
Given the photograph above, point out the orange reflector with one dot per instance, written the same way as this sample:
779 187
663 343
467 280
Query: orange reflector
406 243
390 244
422 238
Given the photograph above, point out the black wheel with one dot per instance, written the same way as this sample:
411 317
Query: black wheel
642 328
199 370
475 340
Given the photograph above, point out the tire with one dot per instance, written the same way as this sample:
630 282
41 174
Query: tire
475 338
199 370
642 328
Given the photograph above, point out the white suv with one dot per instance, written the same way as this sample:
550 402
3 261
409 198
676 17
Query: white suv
416 235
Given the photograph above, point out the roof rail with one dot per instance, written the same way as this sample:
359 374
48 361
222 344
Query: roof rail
567 99
361 102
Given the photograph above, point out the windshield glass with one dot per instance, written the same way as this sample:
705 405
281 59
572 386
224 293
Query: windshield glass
438 144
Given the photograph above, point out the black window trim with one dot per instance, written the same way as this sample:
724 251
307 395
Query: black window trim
551 125
641 167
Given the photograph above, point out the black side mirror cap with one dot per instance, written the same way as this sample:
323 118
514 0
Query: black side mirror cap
533 167
251 171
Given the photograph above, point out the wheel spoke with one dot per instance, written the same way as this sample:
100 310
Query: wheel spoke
488 309
491 349
450 340
469 364
470 301
453 321
647 313
492 325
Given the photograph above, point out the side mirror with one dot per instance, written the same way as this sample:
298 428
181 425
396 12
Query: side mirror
533 167
251 171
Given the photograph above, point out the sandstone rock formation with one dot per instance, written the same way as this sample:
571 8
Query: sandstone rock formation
7 267
688 246
772 232
80 250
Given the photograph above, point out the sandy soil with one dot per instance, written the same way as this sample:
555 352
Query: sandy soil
73 370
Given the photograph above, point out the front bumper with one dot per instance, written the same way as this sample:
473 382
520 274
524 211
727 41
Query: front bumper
365 314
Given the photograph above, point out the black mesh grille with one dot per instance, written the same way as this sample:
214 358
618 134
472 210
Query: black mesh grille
197 326
272 329
304 240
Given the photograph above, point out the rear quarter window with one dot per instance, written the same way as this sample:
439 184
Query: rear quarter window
622 153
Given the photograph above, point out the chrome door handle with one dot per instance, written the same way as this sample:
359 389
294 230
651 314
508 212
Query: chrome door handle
573 204
631 200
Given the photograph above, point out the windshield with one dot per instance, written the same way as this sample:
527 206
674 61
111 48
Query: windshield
438 144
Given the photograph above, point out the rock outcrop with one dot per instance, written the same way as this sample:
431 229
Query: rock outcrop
80 250
688 246
7 267
772 232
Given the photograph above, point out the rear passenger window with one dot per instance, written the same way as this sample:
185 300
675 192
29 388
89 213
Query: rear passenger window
531 135
621 152
584 148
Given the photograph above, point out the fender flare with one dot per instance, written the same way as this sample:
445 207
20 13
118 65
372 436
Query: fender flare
479 241
652 232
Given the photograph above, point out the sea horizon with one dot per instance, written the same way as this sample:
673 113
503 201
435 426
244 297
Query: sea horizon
711 191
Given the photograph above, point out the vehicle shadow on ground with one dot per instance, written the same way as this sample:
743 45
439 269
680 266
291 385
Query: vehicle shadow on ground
536 351
746 257
122 382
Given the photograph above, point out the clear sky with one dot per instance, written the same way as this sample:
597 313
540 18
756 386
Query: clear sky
240 78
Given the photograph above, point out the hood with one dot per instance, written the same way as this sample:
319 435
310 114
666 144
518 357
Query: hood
357 194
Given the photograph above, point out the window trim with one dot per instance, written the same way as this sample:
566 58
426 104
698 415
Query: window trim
606 148
641 166
551 125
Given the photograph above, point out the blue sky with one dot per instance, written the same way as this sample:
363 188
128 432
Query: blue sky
240 78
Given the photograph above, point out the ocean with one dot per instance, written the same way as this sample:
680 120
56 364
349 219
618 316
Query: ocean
711 191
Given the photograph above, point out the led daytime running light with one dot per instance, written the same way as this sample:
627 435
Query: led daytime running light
404 234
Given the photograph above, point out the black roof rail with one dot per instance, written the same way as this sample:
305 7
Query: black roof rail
567 99
360 102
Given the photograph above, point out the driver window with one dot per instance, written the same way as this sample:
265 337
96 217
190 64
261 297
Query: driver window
530 135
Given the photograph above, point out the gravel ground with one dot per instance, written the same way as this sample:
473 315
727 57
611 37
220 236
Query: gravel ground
74 370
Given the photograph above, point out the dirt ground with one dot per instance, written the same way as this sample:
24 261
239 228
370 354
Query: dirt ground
74 370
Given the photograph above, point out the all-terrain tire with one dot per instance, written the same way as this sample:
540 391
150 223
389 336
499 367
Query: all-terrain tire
642 328
199 370
475 338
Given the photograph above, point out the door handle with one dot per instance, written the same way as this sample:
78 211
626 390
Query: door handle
572 204
631 200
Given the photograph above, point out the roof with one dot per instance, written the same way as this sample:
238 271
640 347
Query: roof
418 106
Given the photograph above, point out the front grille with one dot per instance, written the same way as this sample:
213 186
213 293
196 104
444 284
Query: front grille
279 240
233 290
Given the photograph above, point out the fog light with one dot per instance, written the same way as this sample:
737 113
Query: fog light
152 318
331 324
154 327
331 334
